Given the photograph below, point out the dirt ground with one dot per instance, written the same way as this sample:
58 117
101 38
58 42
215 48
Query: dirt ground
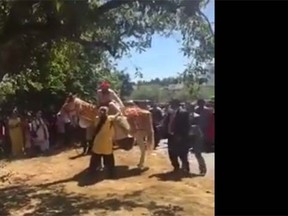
59 185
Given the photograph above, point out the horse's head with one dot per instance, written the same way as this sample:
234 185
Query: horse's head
68 109
76 109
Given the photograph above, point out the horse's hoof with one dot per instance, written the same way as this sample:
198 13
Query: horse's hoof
143 168
140 166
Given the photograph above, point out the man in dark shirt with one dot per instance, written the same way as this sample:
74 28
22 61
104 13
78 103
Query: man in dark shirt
177 121
196 137
157 118
204 117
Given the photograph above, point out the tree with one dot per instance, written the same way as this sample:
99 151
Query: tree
63 73
163 82
28 29
125 85
148 92
48 48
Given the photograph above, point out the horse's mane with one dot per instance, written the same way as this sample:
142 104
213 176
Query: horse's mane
84 104
85 109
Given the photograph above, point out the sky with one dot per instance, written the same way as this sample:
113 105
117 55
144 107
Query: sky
163 59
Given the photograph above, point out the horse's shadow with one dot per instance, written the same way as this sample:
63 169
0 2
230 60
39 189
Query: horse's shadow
86 178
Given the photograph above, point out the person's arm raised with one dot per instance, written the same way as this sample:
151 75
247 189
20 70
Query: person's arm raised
114 117
116 98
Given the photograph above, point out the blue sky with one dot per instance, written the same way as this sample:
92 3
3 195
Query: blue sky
163 59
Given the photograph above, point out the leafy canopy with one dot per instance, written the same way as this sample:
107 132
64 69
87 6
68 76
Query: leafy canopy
59 46
28 28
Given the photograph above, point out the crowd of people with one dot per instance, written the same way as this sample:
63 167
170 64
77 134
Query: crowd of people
20 132
30 133
189 127
201 109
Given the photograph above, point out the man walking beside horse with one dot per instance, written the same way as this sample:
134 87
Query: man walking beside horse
103 143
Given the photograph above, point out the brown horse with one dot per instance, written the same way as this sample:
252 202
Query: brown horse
136 122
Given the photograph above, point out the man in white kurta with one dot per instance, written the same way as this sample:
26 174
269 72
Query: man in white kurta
108 97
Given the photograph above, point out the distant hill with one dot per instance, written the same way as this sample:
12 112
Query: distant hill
165 89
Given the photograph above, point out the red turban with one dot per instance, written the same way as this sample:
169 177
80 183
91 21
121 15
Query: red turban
104 85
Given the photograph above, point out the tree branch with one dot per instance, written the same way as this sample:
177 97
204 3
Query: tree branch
112 5
93 44
208 22
45 29
104 8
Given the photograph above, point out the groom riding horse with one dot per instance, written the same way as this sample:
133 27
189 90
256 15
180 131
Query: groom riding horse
107 97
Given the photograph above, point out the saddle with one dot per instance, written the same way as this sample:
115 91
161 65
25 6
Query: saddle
125 143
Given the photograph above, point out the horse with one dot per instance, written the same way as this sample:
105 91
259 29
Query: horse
137 121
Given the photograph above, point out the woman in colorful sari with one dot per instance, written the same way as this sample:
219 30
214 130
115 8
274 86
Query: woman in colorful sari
16 134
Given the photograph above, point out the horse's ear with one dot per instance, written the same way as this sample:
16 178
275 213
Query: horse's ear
70 97
73 94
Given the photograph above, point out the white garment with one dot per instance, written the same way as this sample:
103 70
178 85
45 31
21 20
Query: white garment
111 96
42 134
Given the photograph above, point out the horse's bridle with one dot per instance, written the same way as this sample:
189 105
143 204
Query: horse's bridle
66 110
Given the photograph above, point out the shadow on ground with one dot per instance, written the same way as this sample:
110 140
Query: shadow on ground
40 201
173 176
84 178
78 156
35 153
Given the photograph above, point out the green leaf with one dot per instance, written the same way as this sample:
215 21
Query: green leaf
58 5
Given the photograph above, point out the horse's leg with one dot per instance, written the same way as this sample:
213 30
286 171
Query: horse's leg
141 143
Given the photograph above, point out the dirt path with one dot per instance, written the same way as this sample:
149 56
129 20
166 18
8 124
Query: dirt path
57 185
